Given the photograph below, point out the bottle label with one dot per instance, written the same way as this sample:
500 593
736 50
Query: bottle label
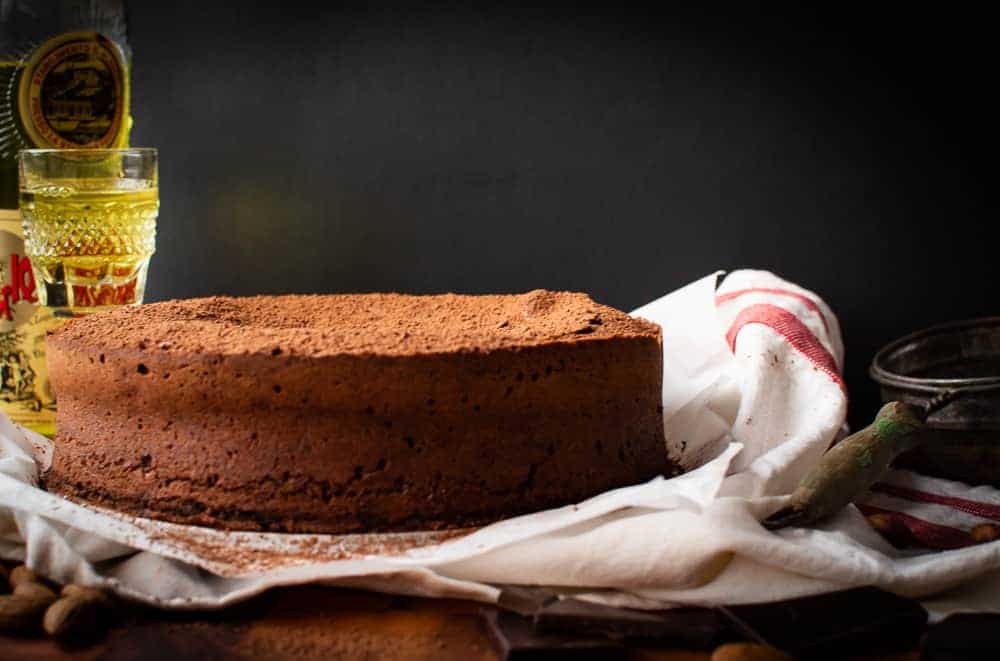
72 92
25 392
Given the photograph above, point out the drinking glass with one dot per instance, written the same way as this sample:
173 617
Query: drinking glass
89 218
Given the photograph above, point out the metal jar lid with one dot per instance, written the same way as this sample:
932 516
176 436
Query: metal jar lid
951 369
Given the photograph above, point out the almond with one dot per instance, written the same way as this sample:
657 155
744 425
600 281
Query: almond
75 617
21 612
21 574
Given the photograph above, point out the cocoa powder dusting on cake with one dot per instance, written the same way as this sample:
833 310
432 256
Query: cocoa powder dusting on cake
392 324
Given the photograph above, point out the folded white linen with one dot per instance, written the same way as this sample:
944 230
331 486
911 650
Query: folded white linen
752 398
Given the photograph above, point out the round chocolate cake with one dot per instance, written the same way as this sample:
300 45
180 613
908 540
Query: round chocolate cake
354 413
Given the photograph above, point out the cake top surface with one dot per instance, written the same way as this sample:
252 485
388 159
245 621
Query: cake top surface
358 324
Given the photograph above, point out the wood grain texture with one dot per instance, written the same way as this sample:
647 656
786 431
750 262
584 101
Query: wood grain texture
301 623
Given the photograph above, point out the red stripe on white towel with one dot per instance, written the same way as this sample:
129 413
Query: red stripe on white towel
805 300
984 510
793 330
931 535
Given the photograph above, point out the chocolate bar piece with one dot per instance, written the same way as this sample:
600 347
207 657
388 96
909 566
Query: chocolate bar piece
859 621
514 639
698 628
965 636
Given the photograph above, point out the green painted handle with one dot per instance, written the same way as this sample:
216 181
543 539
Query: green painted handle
852 466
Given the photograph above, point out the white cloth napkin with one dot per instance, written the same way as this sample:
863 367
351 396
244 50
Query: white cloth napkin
752 398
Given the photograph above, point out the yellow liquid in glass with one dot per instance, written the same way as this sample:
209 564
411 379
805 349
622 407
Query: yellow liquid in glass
90 241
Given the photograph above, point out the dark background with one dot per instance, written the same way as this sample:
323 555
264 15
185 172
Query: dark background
336 148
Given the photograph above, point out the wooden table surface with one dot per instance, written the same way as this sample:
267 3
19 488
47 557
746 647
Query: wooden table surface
304 622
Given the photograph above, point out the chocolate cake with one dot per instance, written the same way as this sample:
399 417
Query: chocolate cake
349 413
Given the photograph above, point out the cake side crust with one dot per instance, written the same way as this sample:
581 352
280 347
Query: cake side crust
346 442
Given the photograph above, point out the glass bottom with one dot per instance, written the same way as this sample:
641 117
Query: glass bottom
72 286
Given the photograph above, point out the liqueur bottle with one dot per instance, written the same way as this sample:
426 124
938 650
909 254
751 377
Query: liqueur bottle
64 84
